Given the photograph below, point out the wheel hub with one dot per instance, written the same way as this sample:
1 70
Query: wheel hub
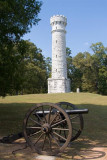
46 128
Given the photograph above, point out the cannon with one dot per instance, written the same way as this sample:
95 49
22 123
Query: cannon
48 128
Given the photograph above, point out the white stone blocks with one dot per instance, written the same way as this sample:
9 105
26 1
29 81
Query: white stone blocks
58 85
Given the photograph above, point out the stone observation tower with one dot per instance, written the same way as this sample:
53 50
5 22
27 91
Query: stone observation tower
59 83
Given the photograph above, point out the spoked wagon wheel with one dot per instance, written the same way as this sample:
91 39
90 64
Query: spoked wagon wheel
42 124
76 119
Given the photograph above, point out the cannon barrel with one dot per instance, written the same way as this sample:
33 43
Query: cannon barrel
76 111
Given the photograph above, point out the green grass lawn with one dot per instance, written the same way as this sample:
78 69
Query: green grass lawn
13 109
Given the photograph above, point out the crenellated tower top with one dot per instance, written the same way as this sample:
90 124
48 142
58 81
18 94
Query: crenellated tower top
58 19
58 23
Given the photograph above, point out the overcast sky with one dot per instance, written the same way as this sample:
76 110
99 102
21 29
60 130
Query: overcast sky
86 24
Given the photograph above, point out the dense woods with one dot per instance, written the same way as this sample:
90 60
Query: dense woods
89 71
16 19
24 69
30 69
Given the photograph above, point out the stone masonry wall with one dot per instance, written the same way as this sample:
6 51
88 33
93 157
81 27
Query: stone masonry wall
59 82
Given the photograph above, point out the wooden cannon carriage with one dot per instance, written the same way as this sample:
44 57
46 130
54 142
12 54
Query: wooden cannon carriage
48 128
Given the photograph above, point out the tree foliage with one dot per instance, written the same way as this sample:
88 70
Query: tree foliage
89 72
16 19
49 66
100 58
35 73
29 74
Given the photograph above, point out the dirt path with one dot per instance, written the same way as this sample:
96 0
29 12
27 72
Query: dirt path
77 151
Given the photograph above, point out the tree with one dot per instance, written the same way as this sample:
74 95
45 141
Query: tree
16 19
102 84
35 79
100 59
30 73
35 74
69 61
78 65
48 66
86 73
89 72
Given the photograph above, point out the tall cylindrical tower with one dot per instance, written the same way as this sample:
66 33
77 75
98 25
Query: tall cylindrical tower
59 82
59 66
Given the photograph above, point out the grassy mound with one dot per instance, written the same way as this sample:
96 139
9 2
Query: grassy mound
13 109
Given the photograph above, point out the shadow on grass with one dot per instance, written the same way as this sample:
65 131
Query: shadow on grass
92 142
95 123
16 151
85 147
